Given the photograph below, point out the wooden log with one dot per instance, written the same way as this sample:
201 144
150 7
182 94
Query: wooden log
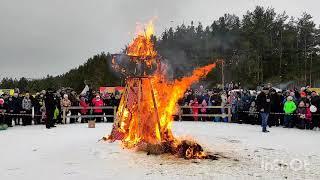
155 107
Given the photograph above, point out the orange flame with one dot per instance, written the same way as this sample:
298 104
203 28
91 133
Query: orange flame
149 118
142 46
146 109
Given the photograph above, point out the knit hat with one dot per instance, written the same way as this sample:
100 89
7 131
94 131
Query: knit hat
303 94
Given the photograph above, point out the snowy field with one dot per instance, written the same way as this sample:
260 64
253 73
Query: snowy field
72 152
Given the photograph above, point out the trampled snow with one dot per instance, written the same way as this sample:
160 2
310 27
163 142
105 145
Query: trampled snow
72 152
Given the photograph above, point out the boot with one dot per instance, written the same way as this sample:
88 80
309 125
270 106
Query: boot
264 129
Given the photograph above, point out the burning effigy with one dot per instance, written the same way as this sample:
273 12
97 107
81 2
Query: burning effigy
149 102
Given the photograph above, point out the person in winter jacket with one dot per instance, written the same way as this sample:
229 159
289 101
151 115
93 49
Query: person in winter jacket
308 119
27 109
289 108
253 116
315 100
216 101
16 108
50 108
57 99
275 107
97 102
233 100
74 102
6 109
186 110
3 125
263 106
2 112
37 107
203 109
56 114
65 103
42 108
224 101
108 100
84 108
302 113
244 106
195 110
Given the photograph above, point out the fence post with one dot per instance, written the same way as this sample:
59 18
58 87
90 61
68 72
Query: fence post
32 113
114 113
64 115
229 114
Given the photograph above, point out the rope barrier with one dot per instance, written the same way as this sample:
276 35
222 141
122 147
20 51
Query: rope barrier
182 107
12 114
276 113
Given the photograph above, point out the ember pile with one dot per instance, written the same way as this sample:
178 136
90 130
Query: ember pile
145 113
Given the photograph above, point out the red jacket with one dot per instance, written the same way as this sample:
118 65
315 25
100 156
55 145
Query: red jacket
84 106
195 109
308 114
97 103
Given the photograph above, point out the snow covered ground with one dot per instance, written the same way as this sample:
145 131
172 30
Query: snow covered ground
71 152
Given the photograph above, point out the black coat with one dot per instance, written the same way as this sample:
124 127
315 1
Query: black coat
315 101
36 104
49 102
262 102
275 103
16 104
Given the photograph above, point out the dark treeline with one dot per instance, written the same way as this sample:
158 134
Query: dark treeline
260 47
263 46
96 72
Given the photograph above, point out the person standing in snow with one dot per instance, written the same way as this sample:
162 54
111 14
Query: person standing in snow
50 107
2 111
65 103
203 109
97 102
275 108
84 109
263 106
289 108
253 116
16 108
308 119
195 110
27 108
302 113
315 101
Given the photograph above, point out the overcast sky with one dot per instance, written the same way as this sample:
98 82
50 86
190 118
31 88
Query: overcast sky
40 37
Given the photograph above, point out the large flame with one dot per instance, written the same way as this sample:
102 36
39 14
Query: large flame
142 46
148 105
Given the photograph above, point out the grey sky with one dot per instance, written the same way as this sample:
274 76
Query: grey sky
39 37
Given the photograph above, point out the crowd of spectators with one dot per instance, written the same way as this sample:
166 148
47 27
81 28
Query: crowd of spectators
47 106
288 108
266 107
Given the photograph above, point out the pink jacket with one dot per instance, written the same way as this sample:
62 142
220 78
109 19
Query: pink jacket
204 105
